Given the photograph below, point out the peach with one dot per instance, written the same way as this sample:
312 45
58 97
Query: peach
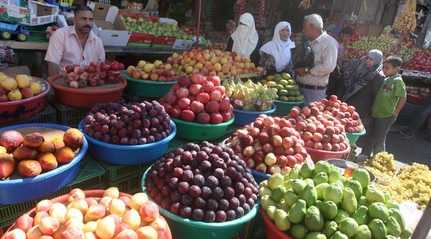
11 139
138 200
112 192
46 237
90 226
47 161
73 138
72 232
149 212
117 207
127 234
74 213
15 234
125 199
64 155
33 140
59 232
49 225
24 152
3 150
58 211
43 206
147 232
38 217
106 228
95 212
132 219
26 92
58 143
7 165
34 233
76 193
91 201
29 168
47 147
106 201
24 222
89 235
74 223
80 204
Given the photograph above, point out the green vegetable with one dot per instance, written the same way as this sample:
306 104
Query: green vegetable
315 235
348 226
374 195
306 170
298 231
328 209
363 201
290 198
294 172
322 167
378 229
330 228
309 195
393 227
298 185
333 193
270 211
263 190
341 215
334 175
281 220
320 189
356 187
361 215
278 193
349 203
276 180
378 210
362 176
320 178
297 211
266 201
406 234
395 213
313 219
339 235
363 232
309 182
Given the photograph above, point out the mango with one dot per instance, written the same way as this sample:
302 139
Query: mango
9 84
36 87
14 95
23 81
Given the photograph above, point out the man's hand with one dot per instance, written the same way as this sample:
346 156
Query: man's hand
301 71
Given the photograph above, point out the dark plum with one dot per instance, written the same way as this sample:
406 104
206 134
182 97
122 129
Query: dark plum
205 165
199 180
186 200
231 214
218 193
226 181
195 191
175 207
212 181
183 187
212 204
239 212
210 216
198 214
186 212
234 203
199 203
219 173
239 187
173 182
229 192
178 172
221 216
187 175
206 192
223 204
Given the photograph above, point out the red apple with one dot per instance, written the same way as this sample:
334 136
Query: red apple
196 107
203 118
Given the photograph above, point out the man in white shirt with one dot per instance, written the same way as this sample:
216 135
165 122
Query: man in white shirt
313 81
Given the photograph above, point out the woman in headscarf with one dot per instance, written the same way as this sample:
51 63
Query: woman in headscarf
244 39
276 55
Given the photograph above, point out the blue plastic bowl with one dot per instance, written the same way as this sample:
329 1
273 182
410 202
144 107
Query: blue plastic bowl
243 117
128 154
258 176
27 189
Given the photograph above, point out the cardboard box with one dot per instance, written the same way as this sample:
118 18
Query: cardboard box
110 26
41 13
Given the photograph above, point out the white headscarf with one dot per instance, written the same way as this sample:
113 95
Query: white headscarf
278 48
245 36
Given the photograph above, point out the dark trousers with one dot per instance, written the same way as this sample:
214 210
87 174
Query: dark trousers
375 139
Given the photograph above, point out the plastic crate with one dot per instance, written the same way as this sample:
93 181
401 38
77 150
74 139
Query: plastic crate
48 115
70 116
114 173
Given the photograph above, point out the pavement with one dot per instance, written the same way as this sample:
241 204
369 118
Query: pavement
408 151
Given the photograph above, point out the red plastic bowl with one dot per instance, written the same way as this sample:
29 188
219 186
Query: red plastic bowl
271 230
12 111
86 97
318 155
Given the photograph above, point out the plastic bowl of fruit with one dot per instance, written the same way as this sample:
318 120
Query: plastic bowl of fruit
147 88
196 131
353 137
129 154
284 107
35 179
15 110
243 117
318 155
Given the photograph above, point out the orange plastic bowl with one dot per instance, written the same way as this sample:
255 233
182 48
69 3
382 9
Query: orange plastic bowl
318 155
12 111
86 97
272 232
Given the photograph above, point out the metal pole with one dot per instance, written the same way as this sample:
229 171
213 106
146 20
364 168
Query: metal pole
198 25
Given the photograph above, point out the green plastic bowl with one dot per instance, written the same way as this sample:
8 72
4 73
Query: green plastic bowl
186 228
147 88
284 107
195 131
353 137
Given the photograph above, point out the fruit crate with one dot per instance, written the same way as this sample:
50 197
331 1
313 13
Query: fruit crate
130 184
48 115
115 173
89 177
69 116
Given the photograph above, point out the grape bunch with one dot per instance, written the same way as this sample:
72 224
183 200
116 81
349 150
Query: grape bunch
128 123
203 182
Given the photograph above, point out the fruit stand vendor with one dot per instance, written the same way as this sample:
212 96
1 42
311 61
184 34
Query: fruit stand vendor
75 44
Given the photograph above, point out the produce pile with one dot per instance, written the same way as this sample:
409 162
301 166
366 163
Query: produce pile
18 88
406 20
317 202
217 62
269 145
204 182
128 123
112 216
250 96
31 154
156 71
141 24
421 61
198 99
405 183
95 74
287 89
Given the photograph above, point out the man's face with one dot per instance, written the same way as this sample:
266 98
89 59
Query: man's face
84 21
309 30
390 70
